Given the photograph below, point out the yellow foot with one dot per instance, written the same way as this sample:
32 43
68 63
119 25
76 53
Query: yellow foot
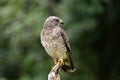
61 61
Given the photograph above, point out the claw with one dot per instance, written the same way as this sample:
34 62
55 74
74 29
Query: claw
61 62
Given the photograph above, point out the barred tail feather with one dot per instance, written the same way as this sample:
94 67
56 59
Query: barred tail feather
68 64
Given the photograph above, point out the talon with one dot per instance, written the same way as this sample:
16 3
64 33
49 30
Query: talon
61 61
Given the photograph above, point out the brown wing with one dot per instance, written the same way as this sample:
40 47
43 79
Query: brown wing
65 39
68 61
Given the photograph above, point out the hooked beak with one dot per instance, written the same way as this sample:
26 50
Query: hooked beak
61 22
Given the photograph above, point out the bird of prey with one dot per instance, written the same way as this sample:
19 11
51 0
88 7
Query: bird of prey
55 41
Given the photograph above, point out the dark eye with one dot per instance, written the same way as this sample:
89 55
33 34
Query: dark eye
57 20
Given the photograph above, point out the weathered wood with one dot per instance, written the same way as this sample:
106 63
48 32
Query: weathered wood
54 73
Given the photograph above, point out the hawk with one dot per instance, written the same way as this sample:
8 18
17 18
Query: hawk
55 41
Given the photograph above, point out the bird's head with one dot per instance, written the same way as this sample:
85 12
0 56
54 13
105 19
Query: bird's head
53 21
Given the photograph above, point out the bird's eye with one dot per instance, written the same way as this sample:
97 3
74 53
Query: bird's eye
57 20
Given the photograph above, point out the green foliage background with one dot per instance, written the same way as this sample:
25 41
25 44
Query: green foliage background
92 25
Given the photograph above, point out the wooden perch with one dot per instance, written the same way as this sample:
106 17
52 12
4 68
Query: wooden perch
54 73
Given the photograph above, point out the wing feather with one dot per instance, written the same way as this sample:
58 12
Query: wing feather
65 39
68 61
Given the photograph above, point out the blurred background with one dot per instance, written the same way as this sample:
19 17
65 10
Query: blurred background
93 27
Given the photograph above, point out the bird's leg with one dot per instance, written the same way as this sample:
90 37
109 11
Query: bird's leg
55 61
61 61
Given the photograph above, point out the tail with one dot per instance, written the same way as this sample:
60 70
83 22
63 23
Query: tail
68 64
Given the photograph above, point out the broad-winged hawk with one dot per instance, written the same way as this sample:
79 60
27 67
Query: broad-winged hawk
55 41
